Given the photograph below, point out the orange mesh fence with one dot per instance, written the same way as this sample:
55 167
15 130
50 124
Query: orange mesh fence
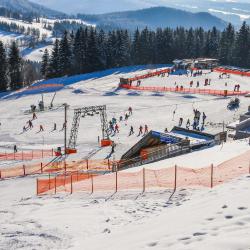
62 183
148 75
187 90
61 166
231 71
174 177
34 154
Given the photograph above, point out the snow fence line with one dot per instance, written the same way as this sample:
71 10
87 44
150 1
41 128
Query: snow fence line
148 75
232 71
169 178
186 90
26 155
55 166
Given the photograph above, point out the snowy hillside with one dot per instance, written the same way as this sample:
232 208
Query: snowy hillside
160 219
44 36
230 11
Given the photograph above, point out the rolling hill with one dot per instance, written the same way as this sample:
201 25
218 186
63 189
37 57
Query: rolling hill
155 17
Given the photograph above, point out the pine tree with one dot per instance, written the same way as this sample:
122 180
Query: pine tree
78 52
15 63
45 64
65 56
3 69
101 46
242 49
136 48
54 69
190 44
92 55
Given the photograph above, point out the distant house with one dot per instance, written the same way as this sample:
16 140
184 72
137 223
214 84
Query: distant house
199 63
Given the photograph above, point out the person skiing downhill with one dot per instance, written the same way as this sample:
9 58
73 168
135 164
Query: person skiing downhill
130 111
140 131
131 131
204 118
116 128
41 128
30 124
34 116
180 122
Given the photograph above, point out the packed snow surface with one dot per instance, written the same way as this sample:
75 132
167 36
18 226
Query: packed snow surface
189 219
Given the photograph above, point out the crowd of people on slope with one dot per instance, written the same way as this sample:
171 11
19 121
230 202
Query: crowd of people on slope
29 125
197 84
197 123
114 125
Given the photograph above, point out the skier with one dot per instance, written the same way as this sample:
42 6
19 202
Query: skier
180 122
30 124
131 131
197 84
204 118
15 149
130 111
126 117
140 131
64 126
114 120
188 124
54 126
116 128
121 118
146 129
113 147
41 128
111 126
24 129
34 116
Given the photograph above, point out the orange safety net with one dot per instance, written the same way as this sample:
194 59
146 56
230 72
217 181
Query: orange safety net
62 182
173 177
148 75
34 154
186 90
231 71
61 166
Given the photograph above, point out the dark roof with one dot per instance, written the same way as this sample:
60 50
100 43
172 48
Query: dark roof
153 138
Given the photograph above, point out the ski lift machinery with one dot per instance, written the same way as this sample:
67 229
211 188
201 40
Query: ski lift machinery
89 111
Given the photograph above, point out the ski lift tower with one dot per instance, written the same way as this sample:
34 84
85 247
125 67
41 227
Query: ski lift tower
89 111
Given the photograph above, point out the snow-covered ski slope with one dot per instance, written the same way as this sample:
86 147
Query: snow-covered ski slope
33 54
201 219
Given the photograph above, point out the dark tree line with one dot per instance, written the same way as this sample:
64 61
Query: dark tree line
10 68
89 50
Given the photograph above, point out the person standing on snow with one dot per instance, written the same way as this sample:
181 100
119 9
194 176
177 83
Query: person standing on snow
34 116
204 118
41 128
30 124
140 131
130 111
116 128
15 149
146 129
180 122
131 131
188 124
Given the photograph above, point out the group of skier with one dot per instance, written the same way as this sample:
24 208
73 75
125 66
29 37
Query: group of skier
29 125
237 88
115 129
198 117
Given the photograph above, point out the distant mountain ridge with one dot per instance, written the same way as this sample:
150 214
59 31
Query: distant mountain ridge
25 6
156 17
